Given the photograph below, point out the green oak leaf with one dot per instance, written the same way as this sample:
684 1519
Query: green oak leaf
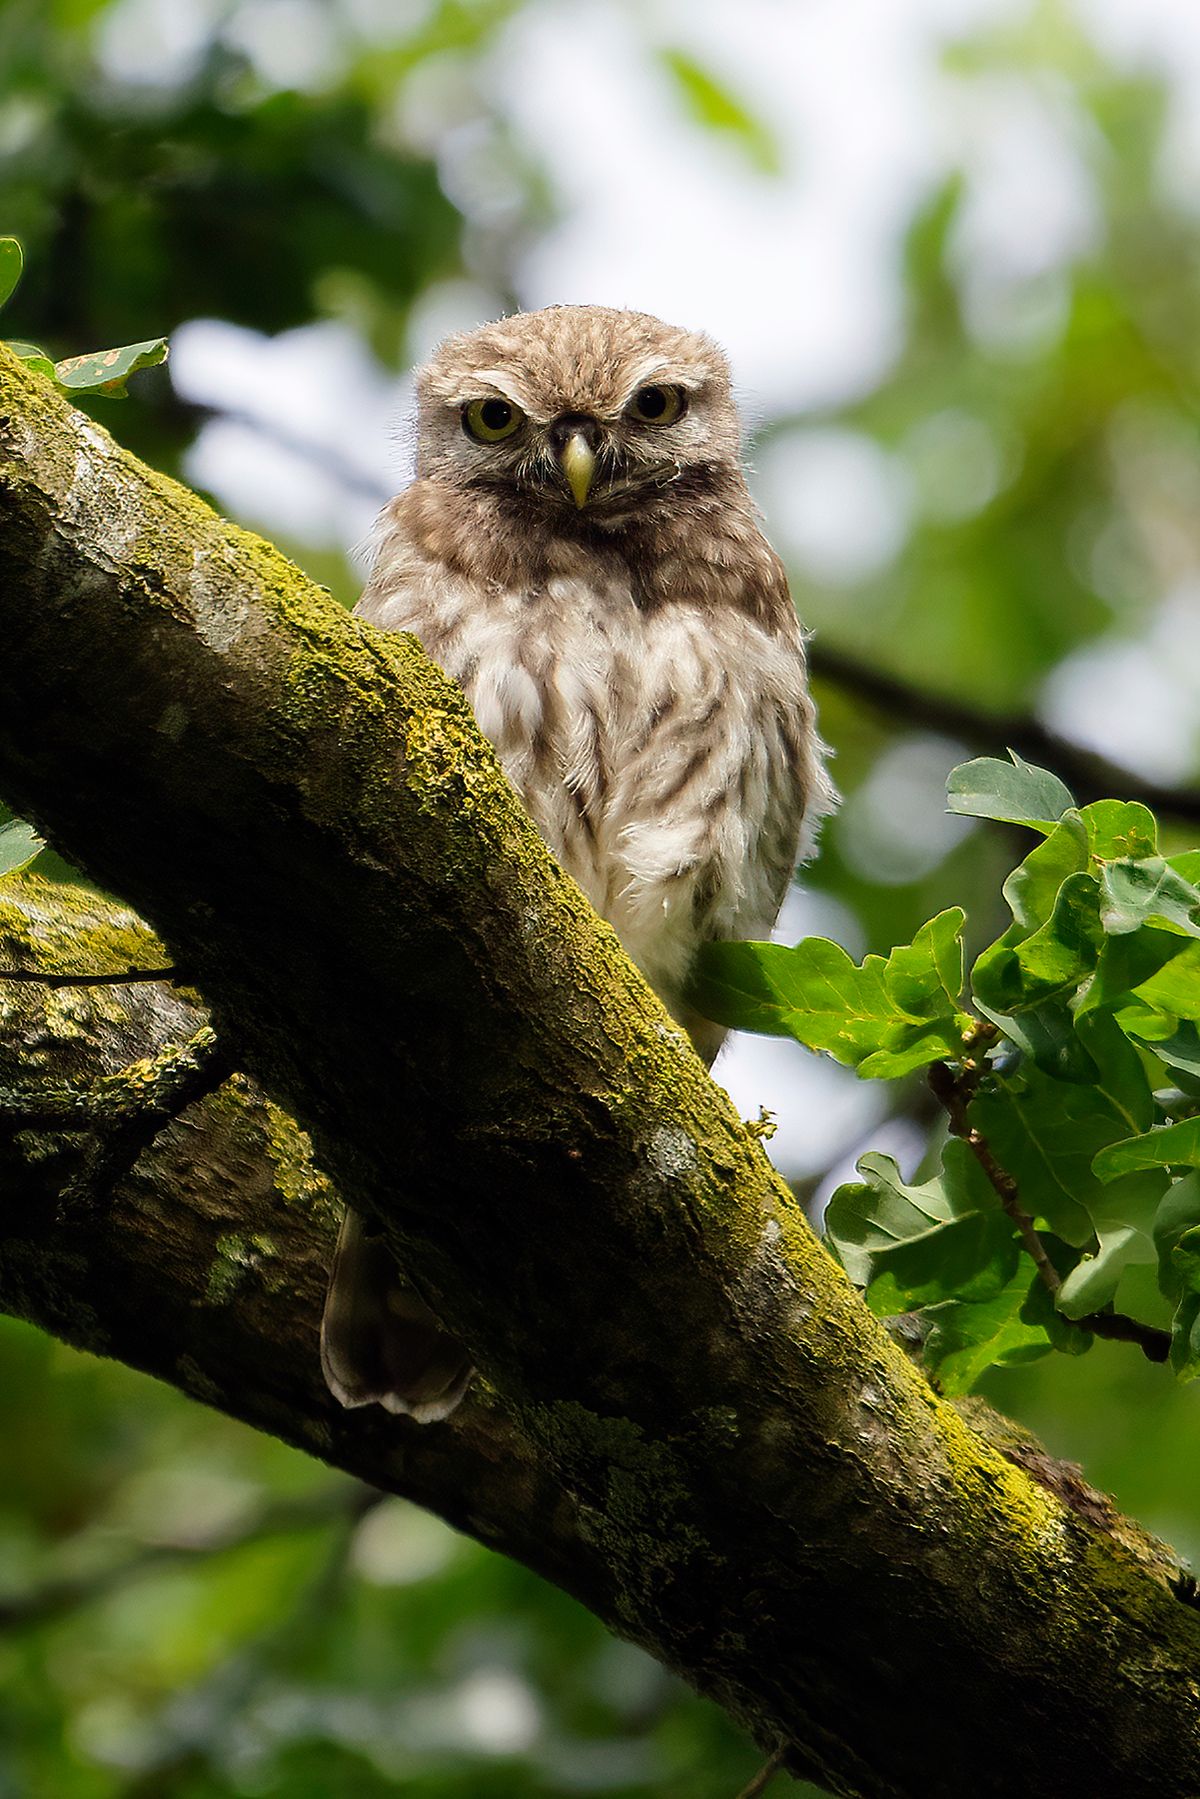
1177 1215
1047 1134
1148 891
911 1246
1185 1337
970 1336
34 358
1016 794
1119 829
1053 941
884 1017
1172 1146
11 263
106 371
1176 1044
1093 1282
711 104
19 844
1158 967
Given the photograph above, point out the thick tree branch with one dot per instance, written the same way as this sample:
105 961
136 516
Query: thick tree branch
763 1490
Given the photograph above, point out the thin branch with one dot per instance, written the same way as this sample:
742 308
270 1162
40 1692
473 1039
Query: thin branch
765 1775
954 1092
124 977
1090 777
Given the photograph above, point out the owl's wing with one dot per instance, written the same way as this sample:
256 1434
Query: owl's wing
717 792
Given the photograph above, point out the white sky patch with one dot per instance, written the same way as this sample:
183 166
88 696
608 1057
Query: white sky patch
895 827
836 504
820 1108
315 436
1137 702
795 274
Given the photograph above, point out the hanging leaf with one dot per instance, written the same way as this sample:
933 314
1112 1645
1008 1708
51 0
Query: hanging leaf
970 1336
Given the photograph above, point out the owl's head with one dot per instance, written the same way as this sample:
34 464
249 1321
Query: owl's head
583 408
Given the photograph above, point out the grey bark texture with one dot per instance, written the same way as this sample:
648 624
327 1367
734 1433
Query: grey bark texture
715 1445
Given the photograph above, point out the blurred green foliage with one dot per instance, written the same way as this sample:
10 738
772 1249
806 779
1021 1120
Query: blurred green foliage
189 1610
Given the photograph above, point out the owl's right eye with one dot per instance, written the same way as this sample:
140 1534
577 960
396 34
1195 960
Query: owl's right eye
489 421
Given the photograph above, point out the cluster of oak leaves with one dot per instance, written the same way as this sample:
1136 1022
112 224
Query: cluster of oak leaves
1072 1060
1074 1067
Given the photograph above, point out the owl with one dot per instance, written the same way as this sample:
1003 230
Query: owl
579 551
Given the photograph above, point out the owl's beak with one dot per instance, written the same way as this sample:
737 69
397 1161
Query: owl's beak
578 462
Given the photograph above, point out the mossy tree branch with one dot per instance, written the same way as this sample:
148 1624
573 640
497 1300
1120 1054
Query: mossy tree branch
757 1484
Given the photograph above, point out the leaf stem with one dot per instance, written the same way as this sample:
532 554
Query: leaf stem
954 1089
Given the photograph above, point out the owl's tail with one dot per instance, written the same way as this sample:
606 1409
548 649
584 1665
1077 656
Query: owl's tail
380 1343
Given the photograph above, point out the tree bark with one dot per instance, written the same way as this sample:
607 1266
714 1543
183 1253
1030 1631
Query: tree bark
723 1452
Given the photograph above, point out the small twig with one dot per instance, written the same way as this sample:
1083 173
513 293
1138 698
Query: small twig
765 1775
954 1092
124 977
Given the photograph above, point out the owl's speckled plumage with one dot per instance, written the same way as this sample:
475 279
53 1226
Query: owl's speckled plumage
634 657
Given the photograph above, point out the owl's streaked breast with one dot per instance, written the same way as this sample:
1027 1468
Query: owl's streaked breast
662 753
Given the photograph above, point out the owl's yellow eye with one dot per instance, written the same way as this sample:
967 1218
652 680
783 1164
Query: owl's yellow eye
658 405
489 421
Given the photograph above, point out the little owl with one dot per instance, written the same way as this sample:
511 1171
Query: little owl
580 553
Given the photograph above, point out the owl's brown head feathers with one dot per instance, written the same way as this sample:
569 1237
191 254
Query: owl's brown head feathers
584 409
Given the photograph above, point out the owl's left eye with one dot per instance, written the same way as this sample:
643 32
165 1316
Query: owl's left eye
488 421
658 405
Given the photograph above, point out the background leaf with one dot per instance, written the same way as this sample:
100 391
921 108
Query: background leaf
11 260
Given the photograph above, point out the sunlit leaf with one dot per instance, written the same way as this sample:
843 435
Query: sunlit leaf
1178 1045
1093 1282
34 358
1018 793
1042 954
106 371
19 844
1158 967
1120 828
885 1017
11 260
